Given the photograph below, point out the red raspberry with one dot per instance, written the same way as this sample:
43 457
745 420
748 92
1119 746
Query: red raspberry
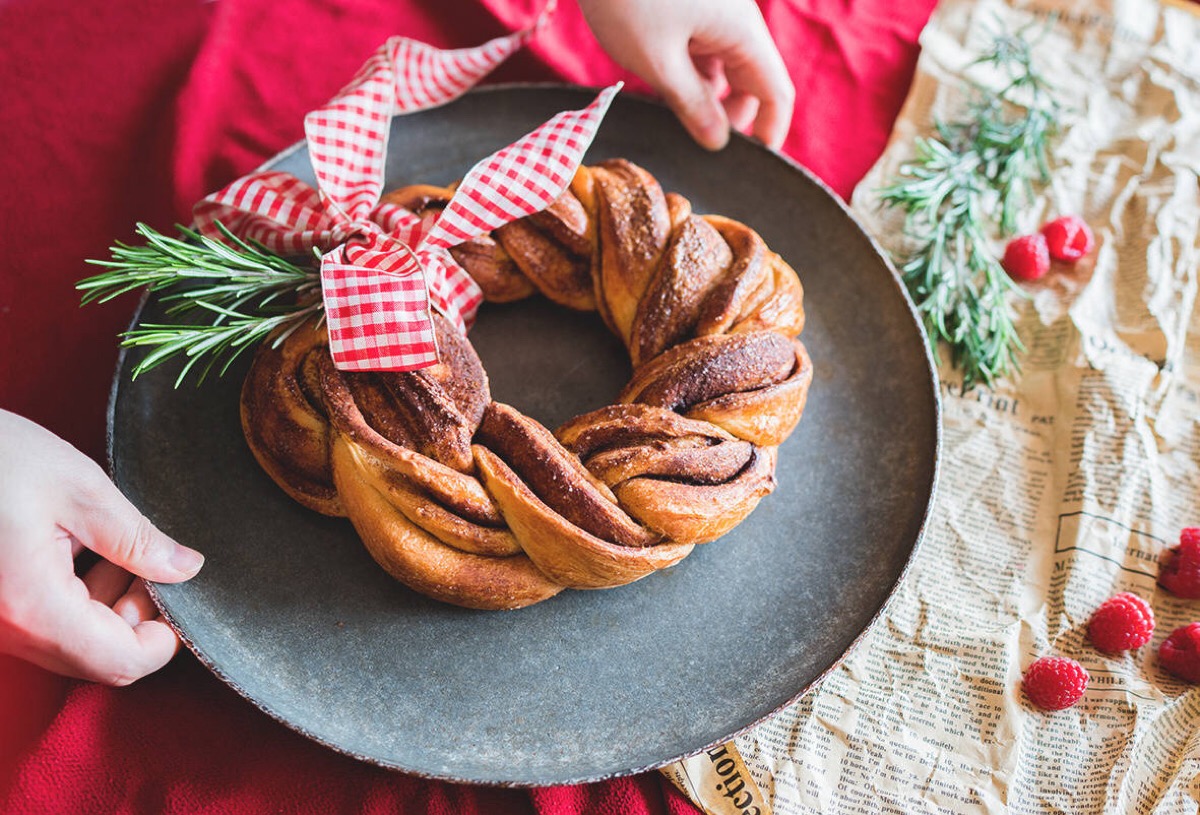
1068 238
1054 683
1180 653
1179 568
1027 257
1123 622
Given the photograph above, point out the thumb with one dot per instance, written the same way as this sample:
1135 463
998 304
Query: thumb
695 102
113 528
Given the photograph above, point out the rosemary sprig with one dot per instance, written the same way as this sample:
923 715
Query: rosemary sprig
198 270
230 296
966 186
212 343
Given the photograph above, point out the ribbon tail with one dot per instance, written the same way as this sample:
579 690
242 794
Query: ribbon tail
428 77
523 178
348 137
275 209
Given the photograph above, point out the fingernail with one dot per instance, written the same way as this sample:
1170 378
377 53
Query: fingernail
186 560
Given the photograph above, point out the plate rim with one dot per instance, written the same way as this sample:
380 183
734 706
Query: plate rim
922 531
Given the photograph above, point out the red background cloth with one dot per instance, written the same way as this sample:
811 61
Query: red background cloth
131 110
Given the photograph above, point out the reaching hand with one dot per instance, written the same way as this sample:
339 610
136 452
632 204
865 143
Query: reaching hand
53 502
690 51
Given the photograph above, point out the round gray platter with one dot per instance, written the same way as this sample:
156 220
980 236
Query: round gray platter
292 612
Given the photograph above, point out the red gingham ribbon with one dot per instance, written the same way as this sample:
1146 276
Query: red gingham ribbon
381 267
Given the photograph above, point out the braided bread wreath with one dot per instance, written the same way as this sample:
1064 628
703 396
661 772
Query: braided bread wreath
470 502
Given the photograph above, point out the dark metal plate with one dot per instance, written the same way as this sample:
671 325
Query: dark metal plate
291 611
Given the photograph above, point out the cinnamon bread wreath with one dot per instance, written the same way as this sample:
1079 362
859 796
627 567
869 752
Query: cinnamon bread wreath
470 502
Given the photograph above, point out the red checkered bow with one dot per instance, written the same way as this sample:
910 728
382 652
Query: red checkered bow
381 267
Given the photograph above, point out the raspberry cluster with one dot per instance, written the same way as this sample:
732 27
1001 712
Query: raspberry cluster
1066 239
1125 622
1179 573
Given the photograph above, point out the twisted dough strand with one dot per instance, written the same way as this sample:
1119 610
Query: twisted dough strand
469 501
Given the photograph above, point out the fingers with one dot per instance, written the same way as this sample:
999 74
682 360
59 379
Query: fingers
688 51
56 500
136 606
113 528
110 585
753 69
740 107
761 97
741 110
775 117
60 488
694 100
107 582
758 71
80 637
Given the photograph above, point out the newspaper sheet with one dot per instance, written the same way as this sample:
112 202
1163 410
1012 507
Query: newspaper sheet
1059 488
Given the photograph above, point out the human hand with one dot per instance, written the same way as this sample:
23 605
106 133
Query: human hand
690 51
54 501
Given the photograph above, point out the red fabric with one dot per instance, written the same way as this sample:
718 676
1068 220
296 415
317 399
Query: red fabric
132 110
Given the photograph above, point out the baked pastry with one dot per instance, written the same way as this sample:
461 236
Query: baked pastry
470 502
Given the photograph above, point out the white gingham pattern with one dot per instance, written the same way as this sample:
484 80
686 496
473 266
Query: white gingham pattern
382 268
523 178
